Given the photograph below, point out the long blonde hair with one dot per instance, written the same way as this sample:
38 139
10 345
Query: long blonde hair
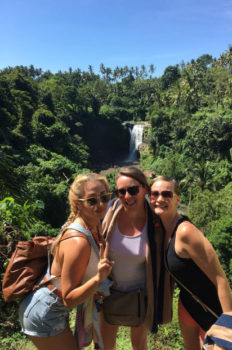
76 192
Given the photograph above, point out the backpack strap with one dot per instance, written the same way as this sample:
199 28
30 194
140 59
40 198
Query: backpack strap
182 219
88 235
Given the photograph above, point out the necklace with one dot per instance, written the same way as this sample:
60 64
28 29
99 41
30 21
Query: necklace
97 237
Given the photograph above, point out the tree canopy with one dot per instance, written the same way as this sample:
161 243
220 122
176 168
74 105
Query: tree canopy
54 126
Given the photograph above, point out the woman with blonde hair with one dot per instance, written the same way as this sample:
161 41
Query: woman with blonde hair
192 261
79 266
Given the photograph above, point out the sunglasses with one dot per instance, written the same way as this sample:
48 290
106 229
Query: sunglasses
94 201
164 194
132 190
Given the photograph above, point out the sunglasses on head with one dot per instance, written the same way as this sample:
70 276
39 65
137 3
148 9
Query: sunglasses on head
164 194
132 190
92 201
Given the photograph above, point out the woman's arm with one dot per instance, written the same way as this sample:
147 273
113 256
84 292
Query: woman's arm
74 254
191 243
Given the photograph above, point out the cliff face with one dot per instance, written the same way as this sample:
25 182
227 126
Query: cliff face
108 143
122 145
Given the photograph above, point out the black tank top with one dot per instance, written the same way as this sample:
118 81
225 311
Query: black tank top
195 280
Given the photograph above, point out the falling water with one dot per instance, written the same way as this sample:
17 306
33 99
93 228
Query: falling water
136 138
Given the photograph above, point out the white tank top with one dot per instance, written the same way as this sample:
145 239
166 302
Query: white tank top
129 255
91 269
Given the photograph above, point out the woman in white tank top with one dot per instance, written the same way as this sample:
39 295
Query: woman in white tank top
44 312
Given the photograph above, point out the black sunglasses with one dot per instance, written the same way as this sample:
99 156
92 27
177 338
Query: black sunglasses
93 200
164 194
132 190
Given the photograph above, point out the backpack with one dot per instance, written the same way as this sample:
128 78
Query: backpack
29 262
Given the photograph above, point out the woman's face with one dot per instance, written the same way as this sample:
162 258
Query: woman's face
93 205
163 198
130 192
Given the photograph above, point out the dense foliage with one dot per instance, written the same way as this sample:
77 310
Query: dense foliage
191 140
54 126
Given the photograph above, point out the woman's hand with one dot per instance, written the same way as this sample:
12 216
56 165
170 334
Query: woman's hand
105 265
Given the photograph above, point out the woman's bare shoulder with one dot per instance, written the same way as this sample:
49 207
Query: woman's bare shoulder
187 231
71 233
74 240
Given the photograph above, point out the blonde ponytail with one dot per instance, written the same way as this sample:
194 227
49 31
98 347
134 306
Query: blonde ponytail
77 191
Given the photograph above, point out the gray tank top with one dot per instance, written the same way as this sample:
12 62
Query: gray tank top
129 255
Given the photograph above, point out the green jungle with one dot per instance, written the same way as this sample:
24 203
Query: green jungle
54 126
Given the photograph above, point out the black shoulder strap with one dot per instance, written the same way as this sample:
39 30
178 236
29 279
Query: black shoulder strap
182 219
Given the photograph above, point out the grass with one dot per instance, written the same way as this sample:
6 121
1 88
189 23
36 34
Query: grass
167 338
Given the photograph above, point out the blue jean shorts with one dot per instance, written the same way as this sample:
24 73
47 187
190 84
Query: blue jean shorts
42 314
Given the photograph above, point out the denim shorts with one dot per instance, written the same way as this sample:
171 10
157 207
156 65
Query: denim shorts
42 314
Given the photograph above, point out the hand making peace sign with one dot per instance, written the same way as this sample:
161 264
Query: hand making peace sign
104 265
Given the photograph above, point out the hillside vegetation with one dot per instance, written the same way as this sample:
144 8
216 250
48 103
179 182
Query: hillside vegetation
54 126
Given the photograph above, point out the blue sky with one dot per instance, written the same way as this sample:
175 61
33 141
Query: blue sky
55 35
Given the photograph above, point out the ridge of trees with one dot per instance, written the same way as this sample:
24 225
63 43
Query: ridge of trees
53 126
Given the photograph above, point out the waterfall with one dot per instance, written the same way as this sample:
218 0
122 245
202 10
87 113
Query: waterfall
136 138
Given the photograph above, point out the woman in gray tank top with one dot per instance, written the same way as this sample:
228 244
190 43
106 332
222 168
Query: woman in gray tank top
130 232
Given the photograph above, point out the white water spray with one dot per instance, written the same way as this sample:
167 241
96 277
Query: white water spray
136 138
